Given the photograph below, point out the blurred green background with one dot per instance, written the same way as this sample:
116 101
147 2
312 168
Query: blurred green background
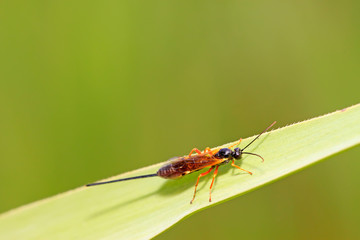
91 89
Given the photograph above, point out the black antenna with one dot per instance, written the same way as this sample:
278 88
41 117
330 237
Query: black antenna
254 155
122 179
258 137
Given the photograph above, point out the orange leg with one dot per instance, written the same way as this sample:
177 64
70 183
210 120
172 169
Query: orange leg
197 182
237 143
233 164
207 150
195 150
215 173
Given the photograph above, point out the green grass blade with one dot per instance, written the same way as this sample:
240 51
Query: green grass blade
143 208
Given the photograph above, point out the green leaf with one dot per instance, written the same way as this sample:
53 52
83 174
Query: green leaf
143 208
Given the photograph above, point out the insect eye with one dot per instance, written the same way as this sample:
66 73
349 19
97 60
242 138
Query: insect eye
237 153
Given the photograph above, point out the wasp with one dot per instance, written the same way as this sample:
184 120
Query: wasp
213 158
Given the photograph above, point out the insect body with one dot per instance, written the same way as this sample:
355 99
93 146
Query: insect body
213 158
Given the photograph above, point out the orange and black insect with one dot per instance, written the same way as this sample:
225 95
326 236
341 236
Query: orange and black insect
213 158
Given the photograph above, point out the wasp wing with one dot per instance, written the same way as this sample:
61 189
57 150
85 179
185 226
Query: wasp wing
194 162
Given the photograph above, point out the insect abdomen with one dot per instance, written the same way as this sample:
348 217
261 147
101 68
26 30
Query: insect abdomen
170 172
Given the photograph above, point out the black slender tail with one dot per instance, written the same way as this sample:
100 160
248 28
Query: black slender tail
122 179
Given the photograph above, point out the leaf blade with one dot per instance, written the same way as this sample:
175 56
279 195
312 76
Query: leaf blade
141 209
